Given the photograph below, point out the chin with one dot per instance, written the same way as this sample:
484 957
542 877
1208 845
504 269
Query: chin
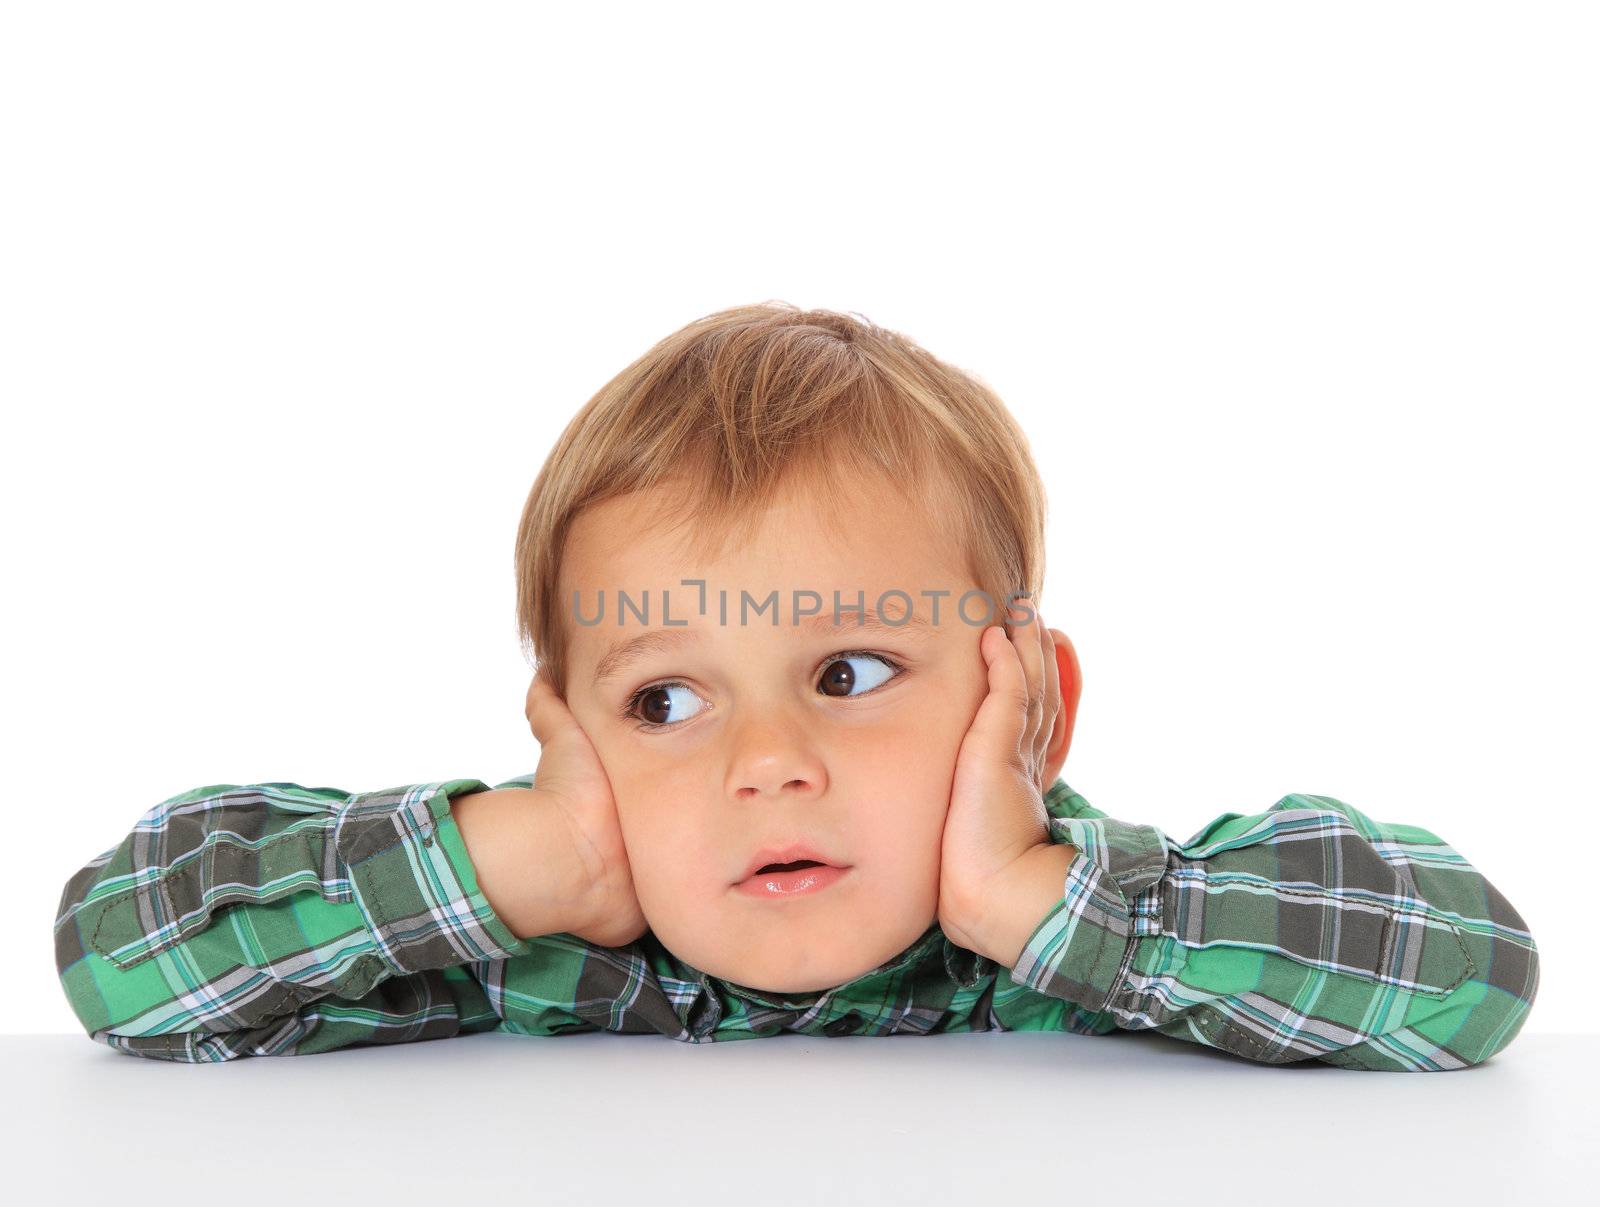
794 979
779 986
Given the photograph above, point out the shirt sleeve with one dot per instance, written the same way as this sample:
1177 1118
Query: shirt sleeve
1306 932
276 919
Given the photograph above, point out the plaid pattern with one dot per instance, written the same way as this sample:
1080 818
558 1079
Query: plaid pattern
276 920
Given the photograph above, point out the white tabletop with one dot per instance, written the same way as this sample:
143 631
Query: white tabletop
929 1118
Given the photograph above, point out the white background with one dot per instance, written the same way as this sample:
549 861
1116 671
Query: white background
1297 304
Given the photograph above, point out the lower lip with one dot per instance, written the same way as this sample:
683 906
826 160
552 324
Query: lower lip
790 884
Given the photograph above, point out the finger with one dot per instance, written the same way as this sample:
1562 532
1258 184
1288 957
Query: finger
538 689
1026 643
1001 716
1039 690
547 712
527 706
1071 687
1050 716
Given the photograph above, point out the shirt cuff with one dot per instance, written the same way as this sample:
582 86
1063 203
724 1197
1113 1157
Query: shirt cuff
414 881
1111 897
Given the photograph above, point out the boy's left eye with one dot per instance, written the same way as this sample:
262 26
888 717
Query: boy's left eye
839 674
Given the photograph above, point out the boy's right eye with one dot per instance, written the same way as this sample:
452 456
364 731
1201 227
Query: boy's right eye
659 701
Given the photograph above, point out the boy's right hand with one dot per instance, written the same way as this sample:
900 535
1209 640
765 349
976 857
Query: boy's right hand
571 778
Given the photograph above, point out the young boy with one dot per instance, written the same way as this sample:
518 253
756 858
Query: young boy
778 577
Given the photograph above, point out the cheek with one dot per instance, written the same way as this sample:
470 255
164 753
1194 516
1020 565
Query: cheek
669 856
940 710
900 840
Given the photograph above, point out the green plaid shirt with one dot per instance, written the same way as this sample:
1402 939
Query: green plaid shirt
276 920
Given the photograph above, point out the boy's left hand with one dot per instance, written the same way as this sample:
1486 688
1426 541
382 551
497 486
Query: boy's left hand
997 817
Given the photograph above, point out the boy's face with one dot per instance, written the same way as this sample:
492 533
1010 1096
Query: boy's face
770 736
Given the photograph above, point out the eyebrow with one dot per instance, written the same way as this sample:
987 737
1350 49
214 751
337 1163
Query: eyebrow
624 654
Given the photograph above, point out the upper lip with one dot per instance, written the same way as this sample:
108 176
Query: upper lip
789 854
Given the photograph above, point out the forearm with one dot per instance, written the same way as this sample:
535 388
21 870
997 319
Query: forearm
1020 900
1414 960
521 848
231 913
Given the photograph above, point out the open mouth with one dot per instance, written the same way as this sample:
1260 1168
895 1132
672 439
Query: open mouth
792 863
798 878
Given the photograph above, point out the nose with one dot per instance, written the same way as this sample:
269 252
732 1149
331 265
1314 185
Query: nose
773 756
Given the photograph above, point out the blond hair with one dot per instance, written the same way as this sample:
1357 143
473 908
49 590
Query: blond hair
731 405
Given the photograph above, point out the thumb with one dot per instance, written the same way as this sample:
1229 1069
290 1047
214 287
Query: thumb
547 712
1002 717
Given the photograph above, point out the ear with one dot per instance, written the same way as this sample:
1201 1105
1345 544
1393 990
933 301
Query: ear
1071 688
